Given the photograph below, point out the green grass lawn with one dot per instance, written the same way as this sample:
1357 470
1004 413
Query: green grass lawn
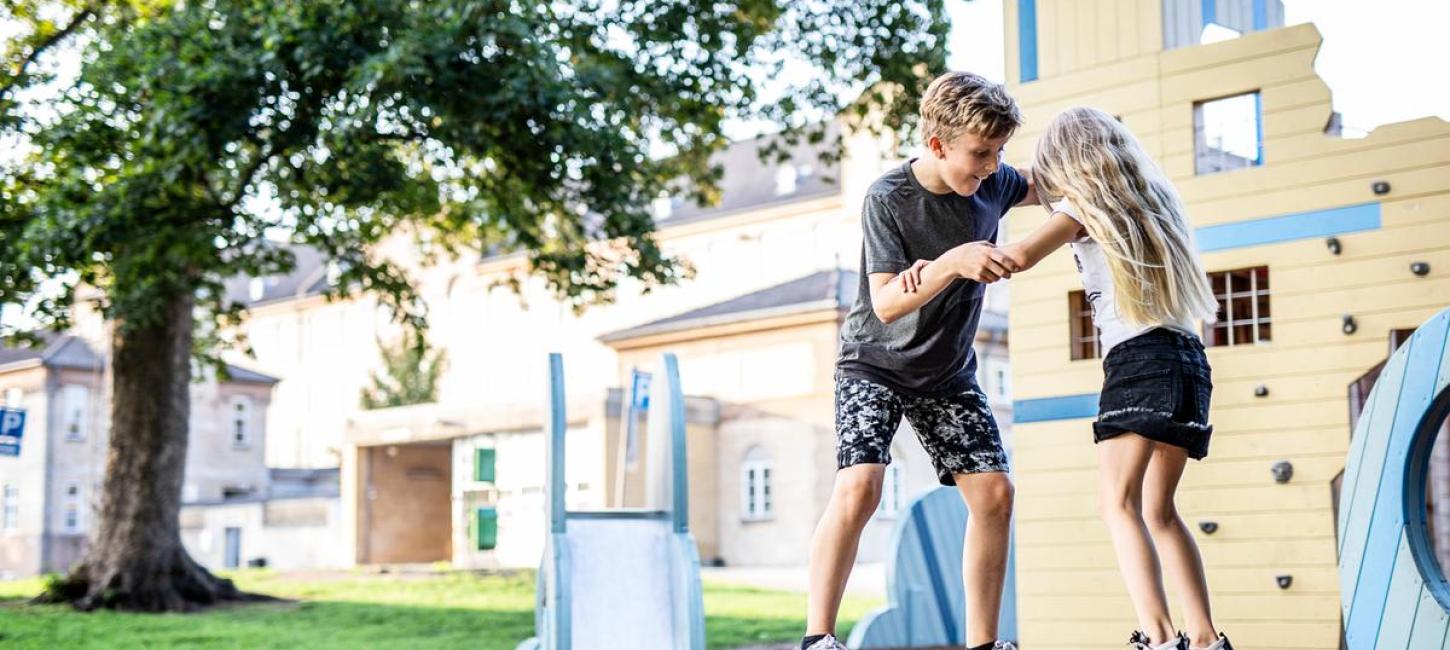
361 610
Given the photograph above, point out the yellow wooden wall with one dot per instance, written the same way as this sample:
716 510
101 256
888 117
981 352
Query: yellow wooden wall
1070 595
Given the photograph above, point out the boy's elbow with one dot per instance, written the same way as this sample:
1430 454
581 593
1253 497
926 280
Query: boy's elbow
883 312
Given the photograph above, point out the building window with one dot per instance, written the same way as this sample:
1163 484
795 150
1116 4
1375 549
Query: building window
484 462
9 507
891 491
786 180
72 511
76 404
1000 380
1086 342
14 397
755 487
241 422
1228 134
1243 307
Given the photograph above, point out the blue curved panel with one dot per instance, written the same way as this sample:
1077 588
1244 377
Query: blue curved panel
1388 578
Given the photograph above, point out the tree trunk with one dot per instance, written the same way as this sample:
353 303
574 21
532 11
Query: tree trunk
135 560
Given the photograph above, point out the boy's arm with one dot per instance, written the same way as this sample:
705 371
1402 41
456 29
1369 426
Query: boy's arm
1031 197
1059 229
894 295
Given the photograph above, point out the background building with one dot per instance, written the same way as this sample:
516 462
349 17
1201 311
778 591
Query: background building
232 501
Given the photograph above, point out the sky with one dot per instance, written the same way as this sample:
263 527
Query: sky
1383 64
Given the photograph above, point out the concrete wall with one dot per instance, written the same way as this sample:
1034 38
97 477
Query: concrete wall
1066 569
303 533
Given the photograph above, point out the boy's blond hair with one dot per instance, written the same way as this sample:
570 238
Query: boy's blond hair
962 102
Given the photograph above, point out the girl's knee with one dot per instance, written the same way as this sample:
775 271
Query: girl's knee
1119 502
1161 516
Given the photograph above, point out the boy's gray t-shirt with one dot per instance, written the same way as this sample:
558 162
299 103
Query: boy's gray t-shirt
929 351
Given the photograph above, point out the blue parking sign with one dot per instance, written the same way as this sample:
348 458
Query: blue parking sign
12 426
639 390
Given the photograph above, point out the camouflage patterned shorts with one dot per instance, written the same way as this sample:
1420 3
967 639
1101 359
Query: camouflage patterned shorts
958 432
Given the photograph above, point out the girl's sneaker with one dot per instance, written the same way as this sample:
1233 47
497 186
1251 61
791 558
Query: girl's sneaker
828 643
1140 641
1221 644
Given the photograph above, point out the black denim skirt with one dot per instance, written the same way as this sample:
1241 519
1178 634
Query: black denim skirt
1157 385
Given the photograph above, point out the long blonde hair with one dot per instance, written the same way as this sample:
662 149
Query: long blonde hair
1128 207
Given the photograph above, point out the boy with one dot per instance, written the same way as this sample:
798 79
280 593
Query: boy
906 347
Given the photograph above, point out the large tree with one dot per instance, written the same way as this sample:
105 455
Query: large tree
194 130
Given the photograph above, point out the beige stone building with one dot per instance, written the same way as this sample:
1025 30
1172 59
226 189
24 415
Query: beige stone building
49 492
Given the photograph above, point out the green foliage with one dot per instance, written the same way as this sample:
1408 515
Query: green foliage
411 369
193 129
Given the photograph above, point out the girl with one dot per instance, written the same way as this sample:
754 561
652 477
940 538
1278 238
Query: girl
1141 273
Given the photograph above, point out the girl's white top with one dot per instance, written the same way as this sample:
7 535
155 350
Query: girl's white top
1097 284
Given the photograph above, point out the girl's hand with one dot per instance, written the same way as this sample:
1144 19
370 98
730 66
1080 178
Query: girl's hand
911 278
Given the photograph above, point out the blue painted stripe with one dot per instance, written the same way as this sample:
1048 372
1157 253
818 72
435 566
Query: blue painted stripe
1046 409
1261 15
938 586
1027 39
1289 227
1210 13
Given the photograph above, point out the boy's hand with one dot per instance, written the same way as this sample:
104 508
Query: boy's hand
911 278
983 262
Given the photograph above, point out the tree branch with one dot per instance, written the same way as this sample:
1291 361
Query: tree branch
40 48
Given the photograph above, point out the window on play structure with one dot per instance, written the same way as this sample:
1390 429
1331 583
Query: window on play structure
1243 307
1228 134
1086 342
756 491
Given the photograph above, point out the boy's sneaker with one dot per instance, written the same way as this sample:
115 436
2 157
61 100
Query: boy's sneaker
1004 645
1221 644
1140 641
828 643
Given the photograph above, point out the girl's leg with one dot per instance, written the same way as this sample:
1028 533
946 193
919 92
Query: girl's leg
1180 553
1122 462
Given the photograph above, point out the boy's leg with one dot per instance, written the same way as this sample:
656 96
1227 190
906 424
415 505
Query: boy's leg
961 436
833 547
867 415
984 556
